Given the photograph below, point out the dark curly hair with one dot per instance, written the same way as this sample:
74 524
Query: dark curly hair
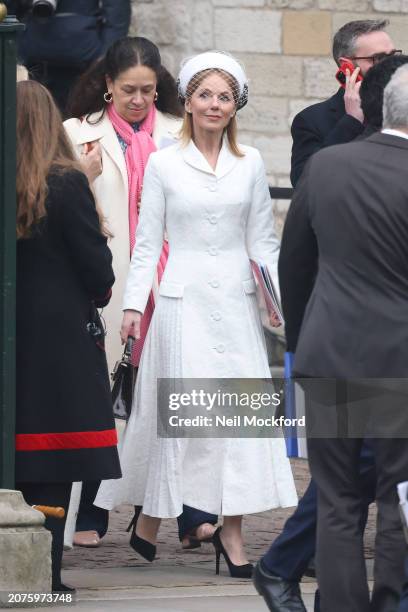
87 95
372 88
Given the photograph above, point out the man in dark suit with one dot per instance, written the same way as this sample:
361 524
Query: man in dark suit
340 118
344 276
278 574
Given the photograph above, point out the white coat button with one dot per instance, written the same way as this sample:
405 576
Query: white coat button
213 250
214 283
220 348
216 315
212 187
213 219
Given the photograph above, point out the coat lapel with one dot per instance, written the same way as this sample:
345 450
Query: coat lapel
103 132
336 104
226 159
166 129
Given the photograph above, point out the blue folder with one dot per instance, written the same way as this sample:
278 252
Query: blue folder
292 447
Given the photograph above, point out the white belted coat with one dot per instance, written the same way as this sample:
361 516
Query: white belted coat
206 325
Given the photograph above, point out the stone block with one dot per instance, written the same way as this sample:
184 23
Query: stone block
25 545
343 5
387 6
284 181
297 105
171 60
291 4
264 114
202 37
306 33
245 138
339 19
320 81
275 152
271 75
239 3
248 30
398 28
165 23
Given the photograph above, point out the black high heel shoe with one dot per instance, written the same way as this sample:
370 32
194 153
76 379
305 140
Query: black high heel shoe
236 571
146 549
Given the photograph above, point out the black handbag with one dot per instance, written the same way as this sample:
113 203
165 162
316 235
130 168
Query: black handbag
123 381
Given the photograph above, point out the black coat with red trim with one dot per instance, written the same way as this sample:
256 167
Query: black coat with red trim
64 422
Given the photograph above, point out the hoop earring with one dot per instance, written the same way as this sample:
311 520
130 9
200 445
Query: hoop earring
156 96
107 96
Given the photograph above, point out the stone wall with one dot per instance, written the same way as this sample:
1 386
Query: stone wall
285 46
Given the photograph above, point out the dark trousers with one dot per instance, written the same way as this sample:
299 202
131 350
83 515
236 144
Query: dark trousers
50 494
341 571
403 606
192 518
90 517
291 552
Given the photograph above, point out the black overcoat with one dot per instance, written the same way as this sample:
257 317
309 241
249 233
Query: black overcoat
343 265
318 126
64 423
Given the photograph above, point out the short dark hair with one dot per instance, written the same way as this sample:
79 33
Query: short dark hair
373 85
344 42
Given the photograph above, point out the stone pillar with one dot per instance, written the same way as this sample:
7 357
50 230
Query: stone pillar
25 547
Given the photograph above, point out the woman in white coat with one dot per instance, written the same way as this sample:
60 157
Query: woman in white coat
211 197
124 107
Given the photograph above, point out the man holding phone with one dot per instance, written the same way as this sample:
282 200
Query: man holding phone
357 46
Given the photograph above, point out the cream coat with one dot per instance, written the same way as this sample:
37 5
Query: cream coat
206 325
111 191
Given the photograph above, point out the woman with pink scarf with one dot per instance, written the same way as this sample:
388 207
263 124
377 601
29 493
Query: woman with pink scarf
124 107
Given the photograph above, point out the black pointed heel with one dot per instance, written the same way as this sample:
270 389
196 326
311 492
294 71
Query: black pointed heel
146 549
236 571
133 522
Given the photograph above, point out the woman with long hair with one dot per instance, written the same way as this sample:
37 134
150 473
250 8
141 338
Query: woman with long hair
65 430
125 107
210 195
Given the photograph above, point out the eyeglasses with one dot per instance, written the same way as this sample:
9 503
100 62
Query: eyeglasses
376 58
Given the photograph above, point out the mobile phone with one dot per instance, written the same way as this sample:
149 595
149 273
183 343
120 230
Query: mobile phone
341 72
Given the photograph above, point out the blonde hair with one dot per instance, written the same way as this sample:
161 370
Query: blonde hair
186 131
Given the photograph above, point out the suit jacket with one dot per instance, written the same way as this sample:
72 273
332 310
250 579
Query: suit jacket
112 192
318 126
343 263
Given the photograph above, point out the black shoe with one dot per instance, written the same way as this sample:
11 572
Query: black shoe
146 549
279 595
236 571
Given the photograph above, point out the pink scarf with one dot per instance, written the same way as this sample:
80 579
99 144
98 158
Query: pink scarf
139 146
